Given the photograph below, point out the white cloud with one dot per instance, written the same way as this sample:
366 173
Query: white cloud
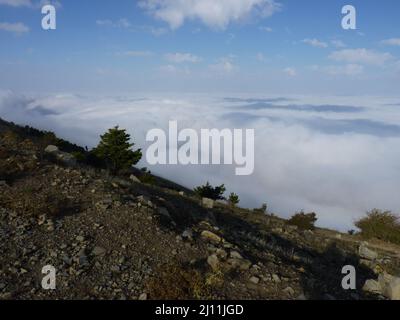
225 65
315 43
392 42
16 28
361 56
346 70
265 29
182 57
291 72
213 13
30 4
16 3
338 43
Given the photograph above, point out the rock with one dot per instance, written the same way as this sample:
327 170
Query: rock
187 235
392 290
366 253
133 178
98 251
117 182
164 212
80 238
103 205
115 269
213 262
275 278
221 253
3 183
387 285
181 193
144 201
212 237
223 202
240 264
64 157
254 280
367 263
289 290
235 255
143 296
51 149
372 286
207 203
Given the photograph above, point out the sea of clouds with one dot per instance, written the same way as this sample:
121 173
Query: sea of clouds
338 156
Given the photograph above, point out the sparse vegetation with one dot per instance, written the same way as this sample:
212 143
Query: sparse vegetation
207 191
233 199
147 177
383 225
304 221
116 151
263 209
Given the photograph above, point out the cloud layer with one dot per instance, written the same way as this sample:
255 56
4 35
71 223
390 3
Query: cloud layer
337 156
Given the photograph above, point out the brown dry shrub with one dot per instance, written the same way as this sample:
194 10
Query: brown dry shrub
174 282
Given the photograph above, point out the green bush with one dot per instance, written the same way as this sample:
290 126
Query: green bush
115 150
233 199
207 191
383 225
304 221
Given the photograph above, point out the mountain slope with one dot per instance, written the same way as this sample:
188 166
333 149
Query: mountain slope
112 238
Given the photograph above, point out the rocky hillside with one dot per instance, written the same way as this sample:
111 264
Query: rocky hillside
117 238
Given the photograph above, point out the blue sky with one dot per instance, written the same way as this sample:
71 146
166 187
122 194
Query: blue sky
281 46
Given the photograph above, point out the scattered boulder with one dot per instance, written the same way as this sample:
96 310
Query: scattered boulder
372 286
236 255
240 264
207 203
51 149
254 280
187 235
133 178
98 251
213 262
289 290
164 212
211 237
367 253
387 285
64 157
392 290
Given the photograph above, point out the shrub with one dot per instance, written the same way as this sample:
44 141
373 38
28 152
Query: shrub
383 225
147 177
210 192
262 210
304 221
115 150
233 199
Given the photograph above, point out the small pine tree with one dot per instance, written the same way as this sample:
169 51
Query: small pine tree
116 151
304 221
233 199
210 192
